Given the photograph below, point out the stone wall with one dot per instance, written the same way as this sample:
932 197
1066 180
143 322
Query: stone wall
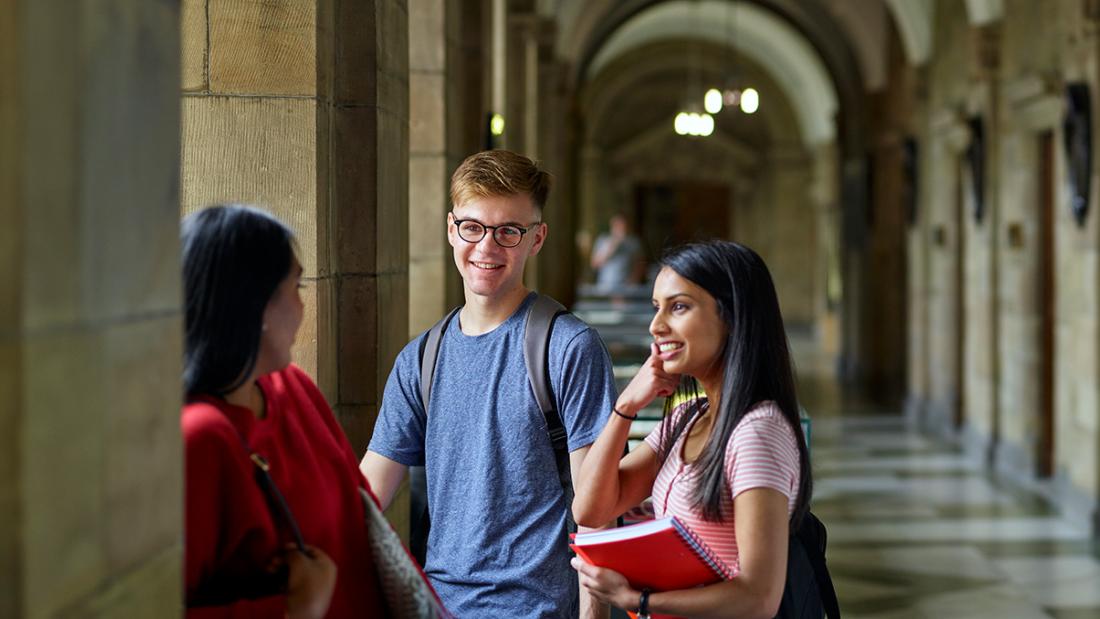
90 337
1012 73
302 108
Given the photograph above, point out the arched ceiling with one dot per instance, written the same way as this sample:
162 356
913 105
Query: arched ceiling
866 26
914 21
760 35
613 112
584 26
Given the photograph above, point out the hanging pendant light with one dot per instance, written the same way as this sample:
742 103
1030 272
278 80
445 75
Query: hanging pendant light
750 101
712 101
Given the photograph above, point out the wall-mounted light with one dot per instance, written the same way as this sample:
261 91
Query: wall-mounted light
496 124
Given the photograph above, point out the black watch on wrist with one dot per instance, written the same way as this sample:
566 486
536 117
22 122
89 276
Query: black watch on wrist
643 605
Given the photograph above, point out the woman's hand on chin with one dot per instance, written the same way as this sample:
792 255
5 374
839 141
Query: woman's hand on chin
650 382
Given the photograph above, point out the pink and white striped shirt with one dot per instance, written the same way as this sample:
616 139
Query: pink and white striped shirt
762 452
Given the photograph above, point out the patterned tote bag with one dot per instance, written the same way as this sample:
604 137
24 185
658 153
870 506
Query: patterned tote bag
408 593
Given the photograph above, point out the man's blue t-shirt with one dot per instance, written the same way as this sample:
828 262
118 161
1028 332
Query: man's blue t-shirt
498 545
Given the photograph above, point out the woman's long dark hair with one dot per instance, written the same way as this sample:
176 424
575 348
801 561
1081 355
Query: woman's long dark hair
234 258
756 363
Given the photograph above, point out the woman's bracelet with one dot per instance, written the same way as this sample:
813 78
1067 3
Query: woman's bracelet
623 415
643 604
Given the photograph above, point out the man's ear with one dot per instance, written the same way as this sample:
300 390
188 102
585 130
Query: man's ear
451 229
540 237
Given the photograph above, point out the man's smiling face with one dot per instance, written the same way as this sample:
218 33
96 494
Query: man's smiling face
488 269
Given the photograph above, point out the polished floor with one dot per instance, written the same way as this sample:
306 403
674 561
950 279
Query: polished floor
916 529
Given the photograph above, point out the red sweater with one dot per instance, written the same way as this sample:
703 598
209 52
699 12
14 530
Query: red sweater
230 534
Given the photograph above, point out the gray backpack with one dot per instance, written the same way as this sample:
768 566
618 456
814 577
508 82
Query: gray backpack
536 347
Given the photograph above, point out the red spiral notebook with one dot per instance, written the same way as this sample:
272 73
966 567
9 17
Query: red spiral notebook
662 554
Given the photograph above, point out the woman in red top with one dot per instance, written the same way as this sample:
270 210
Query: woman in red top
243 309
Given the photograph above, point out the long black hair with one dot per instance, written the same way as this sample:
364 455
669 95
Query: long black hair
234 258
756 364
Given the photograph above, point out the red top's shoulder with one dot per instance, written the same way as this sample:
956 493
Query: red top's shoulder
201 418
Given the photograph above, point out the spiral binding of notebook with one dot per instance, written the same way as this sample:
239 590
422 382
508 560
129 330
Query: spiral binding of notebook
700 547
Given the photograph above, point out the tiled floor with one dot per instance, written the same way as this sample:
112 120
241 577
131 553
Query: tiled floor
917 530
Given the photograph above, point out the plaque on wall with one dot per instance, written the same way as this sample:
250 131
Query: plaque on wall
1077 138
975 159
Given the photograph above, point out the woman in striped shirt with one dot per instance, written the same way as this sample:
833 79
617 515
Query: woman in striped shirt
731 465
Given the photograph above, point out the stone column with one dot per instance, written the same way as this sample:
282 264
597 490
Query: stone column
558 265
853 265
521 97
363 149
90 323
302 108
429 178
467 106
981 398
589 211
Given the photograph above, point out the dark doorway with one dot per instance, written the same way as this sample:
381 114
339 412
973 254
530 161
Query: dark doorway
675 213
1044 456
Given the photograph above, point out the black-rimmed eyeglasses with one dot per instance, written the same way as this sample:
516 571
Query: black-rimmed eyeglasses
508 235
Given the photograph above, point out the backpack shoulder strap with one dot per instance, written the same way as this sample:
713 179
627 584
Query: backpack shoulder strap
536 352
815 552
429 353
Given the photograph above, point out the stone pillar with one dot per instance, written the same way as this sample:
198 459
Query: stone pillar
853 265
918 252
589 216
90 323
558 265
429 174
302 108
521 97
467 106
981 398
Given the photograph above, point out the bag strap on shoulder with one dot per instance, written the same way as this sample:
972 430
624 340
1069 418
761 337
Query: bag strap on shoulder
536 353
815 552
280 509
429 354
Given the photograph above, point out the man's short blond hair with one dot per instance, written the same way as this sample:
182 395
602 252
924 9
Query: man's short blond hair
494 173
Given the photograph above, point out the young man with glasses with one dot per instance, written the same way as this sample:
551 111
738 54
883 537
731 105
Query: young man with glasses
498 544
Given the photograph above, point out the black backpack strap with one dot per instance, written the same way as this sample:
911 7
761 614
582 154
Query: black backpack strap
536 350
815 552
429 354
536 357
418 479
